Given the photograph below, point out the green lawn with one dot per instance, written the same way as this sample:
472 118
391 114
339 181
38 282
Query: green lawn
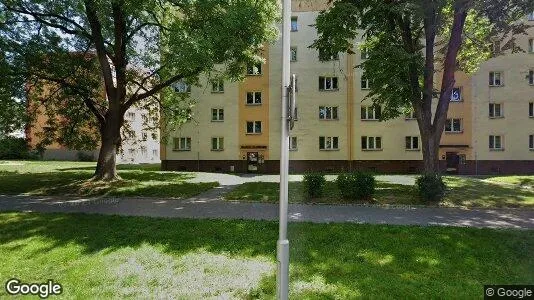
519 181
95 256
463 191
70 178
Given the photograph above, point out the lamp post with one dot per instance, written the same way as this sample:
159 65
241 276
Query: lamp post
282 249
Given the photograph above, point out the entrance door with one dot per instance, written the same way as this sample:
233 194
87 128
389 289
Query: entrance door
453 161
252 161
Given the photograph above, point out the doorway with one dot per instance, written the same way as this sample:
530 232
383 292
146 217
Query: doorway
453 162
252 162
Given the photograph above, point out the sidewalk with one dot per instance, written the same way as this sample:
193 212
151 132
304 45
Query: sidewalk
209 205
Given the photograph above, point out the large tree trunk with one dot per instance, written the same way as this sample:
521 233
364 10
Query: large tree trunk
430 146
110 141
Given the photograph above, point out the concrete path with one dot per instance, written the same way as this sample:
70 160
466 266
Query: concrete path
209 205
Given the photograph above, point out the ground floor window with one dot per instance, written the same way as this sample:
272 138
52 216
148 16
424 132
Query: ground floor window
293 143
495 142
371 143
412 143
328 143
217 143
182 143
531 142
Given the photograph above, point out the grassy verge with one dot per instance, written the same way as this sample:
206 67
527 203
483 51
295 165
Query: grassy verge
116 257
70 178
464 192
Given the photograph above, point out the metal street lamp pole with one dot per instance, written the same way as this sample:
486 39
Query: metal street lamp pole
283 244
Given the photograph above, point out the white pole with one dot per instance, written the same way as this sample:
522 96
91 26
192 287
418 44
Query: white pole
283 244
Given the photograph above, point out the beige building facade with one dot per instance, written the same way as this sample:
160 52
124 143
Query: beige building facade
338 129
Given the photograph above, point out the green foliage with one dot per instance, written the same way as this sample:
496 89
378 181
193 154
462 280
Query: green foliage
314 184
430 187
14 148
83 156
356 185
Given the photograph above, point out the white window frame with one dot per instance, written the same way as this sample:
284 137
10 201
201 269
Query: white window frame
218 115
531 77
293 54
493 138
181 87
531 109
154 152
411 143
371 141
452 129
334 83
330 113
328 143
254 130
531 16
493 78
144 136
256 98
217 86
501 111
184 144
410 116
294 24
370 113
219 143
255 70
460 96
531 142
293 143
131 116
364 83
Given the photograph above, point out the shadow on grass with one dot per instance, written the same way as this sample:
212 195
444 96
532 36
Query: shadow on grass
327 260
134 183
139 167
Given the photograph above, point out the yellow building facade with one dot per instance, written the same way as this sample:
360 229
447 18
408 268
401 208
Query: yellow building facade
337 129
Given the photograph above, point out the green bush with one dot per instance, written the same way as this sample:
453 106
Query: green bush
356 185
14 148
430 187
314 184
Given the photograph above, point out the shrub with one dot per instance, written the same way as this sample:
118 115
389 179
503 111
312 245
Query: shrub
356 185
83 156
430 187
14 148
314 184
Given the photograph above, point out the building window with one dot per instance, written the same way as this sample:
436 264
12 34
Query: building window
181 87
326 55
412 143
531 109
456 95
253 127
293 143
410 115
327 83
328 112
182 144
495 110
144 152
495 142
531 77
254 69
131 116
217 144
495 79
217 86
365 83
144 136
371 143
530 45
154 153
371 113
453 125
328 143
217 114
293 56
531 142
253 98
294 24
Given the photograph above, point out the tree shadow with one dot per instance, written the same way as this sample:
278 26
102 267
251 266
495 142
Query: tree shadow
327 260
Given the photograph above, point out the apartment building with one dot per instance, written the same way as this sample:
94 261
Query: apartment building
236 126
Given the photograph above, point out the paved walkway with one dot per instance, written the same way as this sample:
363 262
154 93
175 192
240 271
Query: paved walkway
209 205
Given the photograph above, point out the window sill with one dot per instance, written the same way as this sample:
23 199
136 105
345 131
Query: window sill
333 90
217 150
531 149
253 74
372 150
253 104
369 120
181 150
293 150
410 119
253 133
216 92
295 30
328 119
413 150
497 150
501 117
365 89
531 117
328 149
454 132
217 121
496 86
457 101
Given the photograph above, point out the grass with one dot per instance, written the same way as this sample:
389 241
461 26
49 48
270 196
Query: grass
519 181
462 192
137 257
70 178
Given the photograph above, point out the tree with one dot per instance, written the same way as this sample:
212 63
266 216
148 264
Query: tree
137 49
409 41
12 101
